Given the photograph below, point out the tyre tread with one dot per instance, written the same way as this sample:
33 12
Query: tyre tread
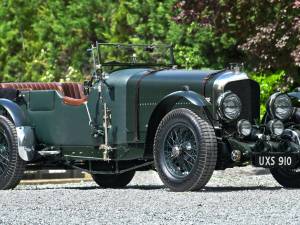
206 166
17 165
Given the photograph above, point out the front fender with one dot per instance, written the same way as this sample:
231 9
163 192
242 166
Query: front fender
191 96
165 106
168 102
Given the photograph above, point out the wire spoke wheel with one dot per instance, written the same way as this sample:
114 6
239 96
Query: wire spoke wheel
185 150
179 150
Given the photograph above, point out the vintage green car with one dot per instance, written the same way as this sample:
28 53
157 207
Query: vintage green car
138 112
283 113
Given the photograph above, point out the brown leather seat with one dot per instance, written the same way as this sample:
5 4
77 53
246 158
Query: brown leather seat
27 86
72 92
74 101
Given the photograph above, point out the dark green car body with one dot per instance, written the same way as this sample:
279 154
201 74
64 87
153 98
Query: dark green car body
113 129
136 104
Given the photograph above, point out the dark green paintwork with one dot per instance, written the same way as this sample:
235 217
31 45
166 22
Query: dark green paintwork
295 97
153 89
56 123
67 128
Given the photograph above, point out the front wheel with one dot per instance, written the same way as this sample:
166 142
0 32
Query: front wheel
289 178
113 180
185 150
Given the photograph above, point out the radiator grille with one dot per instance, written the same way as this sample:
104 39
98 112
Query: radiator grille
249 93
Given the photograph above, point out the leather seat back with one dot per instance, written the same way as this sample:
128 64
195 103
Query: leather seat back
72 93
27 86
73 90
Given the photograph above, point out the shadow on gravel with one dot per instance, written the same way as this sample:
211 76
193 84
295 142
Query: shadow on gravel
231 189
145 187
160 187
137 187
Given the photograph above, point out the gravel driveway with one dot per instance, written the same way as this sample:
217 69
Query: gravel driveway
234 196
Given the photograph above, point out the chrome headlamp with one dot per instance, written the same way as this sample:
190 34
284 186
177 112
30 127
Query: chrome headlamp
244 128
276 127
280 106
229 106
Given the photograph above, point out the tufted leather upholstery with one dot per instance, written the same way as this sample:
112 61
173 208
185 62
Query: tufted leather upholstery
72 92
34 86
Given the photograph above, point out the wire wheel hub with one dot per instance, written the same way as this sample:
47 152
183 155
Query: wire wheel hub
180 150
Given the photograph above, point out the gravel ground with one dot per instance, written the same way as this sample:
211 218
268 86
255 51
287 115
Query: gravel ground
234 196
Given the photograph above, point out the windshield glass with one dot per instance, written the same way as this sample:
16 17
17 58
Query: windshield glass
134 54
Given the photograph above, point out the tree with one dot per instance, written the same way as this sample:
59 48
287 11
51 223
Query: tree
151 21
47 40
266 31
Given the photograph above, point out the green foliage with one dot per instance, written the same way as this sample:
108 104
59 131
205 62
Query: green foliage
269 83
267 33
47 40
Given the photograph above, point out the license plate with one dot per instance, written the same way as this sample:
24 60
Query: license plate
275 160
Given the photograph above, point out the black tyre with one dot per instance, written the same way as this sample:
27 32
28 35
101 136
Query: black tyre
113 180
289 178
11 165
185 150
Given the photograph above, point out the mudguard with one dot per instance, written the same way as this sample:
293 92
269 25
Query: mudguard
191 96
194 98
166 104
26 138
14 111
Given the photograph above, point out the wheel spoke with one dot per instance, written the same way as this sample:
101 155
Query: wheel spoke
3 160
190 156
169 144
171 137
180 150
176 136
184 166
190 163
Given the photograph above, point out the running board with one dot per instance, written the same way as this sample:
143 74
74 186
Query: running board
49 153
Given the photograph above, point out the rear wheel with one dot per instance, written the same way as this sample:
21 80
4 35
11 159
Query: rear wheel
113 180
11 165
185 150
289 178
